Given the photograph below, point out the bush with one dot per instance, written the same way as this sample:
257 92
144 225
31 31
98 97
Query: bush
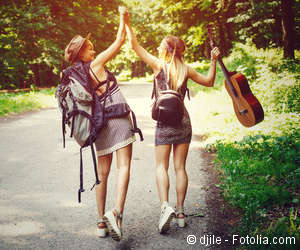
259 173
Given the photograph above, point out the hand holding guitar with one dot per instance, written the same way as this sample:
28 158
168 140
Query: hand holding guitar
246 107
214 54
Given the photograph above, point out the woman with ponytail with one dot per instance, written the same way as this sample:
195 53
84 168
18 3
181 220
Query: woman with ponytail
170 68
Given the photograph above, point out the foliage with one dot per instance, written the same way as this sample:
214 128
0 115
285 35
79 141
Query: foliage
23 26
286 226
35 33
21 102
258 20
189 20
234 20
259 173
269 165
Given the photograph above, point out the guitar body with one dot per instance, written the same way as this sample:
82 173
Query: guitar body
246 107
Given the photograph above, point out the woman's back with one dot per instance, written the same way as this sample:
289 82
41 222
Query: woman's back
162 82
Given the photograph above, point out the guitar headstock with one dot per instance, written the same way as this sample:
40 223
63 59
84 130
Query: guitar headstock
210 29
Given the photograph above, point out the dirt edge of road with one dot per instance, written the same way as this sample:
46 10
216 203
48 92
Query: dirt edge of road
222 217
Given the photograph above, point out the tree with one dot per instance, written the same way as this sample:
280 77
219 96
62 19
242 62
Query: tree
268 23
236 20
288 35
190 19
23 25
35 33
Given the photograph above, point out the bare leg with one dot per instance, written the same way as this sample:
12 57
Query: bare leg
123 164
162 154
104 163
180 152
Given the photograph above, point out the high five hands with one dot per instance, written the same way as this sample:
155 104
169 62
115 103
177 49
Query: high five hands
124 13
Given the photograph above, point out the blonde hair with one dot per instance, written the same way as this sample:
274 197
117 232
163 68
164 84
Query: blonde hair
176 69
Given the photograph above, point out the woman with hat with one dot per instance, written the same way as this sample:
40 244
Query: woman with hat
171 72
116 136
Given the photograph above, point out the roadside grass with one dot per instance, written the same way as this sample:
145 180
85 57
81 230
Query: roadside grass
261 176
259 166
13 103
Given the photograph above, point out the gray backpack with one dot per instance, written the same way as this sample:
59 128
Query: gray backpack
83 113
75 103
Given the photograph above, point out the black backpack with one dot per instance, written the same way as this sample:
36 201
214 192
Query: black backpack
83 113
168 107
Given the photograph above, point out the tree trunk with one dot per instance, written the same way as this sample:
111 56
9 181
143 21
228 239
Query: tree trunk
288 37
36 74
229 38
222 44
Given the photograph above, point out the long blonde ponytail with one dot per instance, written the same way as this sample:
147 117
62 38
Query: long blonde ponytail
176 68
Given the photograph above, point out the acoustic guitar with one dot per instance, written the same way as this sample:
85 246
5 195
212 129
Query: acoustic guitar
246 106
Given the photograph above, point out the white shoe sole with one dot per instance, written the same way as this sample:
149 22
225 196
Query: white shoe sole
102 232
113 228
165 227
181 222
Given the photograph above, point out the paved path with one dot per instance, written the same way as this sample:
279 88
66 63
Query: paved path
39 181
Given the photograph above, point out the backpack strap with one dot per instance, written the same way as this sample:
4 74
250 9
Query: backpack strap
188 93
107 81
81 189
74 113
100 83
81 177
154 90
63 120
167 86
63 123
135 128
110 77
95 166
185 87
72 128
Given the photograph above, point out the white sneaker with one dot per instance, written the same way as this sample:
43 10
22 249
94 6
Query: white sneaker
166 216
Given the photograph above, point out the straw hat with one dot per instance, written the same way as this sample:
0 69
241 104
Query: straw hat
74 46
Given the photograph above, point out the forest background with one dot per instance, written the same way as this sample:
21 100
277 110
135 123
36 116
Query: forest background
258 166
35 33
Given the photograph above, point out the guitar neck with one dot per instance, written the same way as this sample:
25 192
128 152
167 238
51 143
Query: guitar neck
225 71
227 76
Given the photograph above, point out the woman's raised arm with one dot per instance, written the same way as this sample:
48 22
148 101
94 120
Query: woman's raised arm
208 80
114 48
149 59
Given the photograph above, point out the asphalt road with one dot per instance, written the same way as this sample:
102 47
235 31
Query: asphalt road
39 182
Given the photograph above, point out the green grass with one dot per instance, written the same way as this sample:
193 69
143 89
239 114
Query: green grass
261 177
13 103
